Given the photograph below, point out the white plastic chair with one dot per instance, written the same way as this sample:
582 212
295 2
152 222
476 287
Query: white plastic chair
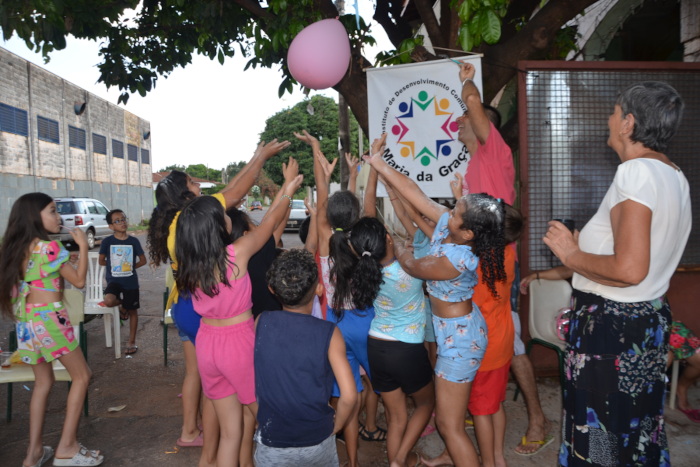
547 298
94 295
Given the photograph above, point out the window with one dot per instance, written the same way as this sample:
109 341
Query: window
13 120
101 209
91 207
76 137
117 149
145 156
298 204
81 207
48 129
99 144
65 207
133 152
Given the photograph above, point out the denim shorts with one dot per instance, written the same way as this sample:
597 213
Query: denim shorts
461 345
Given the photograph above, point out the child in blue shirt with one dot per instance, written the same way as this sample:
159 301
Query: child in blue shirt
118 253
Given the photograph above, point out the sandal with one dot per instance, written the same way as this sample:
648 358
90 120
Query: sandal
692 414
195 443
377 435
428 430
48 453
123 314
417 458
131 350
544 443
82 457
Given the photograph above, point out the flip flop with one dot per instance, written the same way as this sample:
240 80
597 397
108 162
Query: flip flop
48 453
131 350
123 314
428 430
547 440
195 443
370 435
692 414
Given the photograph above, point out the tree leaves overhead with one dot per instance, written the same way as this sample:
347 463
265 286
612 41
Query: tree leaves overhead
323 124
481 20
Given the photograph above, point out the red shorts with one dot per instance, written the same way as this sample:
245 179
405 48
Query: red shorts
488 391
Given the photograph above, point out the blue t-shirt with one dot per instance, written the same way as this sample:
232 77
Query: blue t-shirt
121 256
399 307
460 288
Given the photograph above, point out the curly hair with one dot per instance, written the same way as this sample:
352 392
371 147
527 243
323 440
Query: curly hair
485 217
171 195
293 277
23 226
201 239
342 211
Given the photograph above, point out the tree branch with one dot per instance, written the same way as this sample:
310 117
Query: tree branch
397 33
430 22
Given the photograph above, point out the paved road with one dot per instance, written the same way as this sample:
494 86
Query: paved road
290 238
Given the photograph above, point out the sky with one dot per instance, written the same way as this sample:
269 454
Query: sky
206 113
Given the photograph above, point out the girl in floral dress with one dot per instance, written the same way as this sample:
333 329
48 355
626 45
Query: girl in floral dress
31 293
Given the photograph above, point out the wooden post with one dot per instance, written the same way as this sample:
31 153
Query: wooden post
690 30
343 124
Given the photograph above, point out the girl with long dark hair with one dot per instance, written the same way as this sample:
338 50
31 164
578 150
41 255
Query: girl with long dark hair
472 233
171 195
31 293
336 217
213 272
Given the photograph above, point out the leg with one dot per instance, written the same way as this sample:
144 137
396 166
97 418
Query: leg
351 432
133 326
112 300
210 431
538 425
44 379
371 403
230 413
246 455
451 405
491 433
80 375
424 400
396 420
191 391
687 378
499 432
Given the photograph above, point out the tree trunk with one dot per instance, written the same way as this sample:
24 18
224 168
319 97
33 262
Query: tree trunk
344 127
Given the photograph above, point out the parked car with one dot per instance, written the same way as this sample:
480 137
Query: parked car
87 214
297 215
242 208
256 205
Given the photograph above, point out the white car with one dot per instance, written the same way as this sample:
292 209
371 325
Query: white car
297 215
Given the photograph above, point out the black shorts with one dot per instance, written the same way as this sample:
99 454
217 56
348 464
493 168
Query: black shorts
129 298
395 364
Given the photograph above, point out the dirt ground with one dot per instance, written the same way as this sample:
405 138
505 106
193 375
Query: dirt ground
145 431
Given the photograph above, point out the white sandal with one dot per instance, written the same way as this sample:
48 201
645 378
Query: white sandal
48 453
82 457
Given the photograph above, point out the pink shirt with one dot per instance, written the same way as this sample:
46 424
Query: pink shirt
491 171
230 301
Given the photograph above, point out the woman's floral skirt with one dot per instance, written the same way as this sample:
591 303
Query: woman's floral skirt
615 383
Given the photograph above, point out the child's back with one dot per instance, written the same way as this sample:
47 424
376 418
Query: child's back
293 379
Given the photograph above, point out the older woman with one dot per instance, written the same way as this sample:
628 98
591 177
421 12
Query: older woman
623 261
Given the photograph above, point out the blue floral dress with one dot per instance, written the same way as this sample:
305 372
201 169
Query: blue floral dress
615 381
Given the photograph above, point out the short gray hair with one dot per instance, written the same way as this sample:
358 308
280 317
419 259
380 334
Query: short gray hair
657 108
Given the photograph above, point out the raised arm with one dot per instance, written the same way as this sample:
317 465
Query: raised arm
428 268
406 186
243 181
77 277
470 96
311 244
415 216
370 201
400 210
353 162
291 170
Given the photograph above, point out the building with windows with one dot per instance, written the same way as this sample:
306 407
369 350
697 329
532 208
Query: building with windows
60 139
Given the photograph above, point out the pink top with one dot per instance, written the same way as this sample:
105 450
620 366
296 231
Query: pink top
230 301
491 171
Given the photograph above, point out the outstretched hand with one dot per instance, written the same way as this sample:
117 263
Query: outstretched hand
309 207
293 185
378 145
273 147
353 162
327 167
290 170
308 139
456 186
467 70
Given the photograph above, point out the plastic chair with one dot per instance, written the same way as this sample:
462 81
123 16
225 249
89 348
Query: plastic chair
674 384
94 295
167 316
73 300
547 298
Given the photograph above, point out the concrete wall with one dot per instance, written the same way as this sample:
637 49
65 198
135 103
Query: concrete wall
28 164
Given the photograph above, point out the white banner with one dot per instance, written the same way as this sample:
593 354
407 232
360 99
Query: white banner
416 105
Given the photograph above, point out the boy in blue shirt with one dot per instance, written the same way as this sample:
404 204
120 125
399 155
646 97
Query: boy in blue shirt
118 253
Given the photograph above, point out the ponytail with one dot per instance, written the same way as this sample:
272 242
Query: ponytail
368 239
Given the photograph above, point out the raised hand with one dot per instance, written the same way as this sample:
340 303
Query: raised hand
352 163
378 145
309 207
79 237
290 170
308 139
327 167
467 70
456 186
273 147
293 186
561 241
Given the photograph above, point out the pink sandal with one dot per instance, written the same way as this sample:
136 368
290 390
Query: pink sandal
198 442
692 414
429 430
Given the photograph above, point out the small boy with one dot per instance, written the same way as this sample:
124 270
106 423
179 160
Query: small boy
118 252
296 358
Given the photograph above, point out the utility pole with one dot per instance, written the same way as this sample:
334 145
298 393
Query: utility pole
343 124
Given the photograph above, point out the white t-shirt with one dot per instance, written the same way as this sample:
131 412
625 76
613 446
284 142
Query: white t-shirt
662 189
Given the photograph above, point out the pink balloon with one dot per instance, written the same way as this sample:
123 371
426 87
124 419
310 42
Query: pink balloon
319 55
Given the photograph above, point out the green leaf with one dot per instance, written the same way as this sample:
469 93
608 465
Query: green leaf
141 89
475 23
221 56
490 27
543 3
464 11
465 39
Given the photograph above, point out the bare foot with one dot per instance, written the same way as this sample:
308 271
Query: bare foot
442 459
534 433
